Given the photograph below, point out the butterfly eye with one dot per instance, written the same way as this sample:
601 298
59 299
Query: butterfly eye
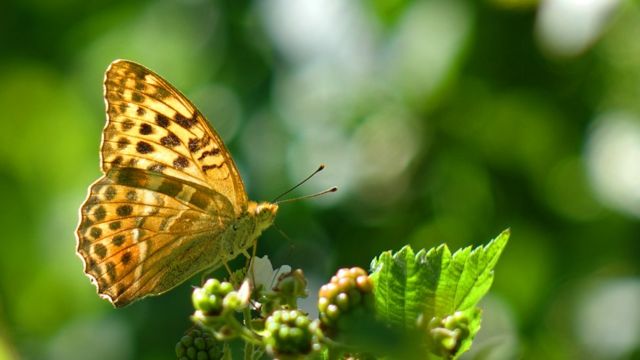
235 227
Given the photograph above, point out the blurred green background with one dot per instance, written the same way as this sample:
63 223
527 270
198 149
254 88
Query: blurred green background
440 121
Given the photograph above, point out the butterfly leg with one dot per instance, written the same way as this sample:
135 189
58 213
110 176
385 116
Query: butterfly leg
210 270
228 268
250 258
205 274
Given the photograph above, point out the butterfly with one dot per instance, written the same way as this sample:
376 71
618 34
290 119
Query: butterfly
170 203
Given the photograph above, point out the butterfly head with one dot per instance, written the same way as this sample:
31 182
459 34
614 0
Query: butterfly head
264 213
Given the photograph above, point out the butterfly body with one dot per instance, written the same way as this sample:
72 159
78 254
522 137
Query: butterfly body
171 202
243 232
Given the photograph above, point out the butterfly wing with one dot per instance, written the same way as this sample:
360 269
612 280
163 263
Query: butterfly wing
143 233
169 190
152 126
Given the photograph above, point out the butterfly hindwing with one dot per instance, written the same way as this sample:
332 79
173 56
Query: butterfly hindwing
139 232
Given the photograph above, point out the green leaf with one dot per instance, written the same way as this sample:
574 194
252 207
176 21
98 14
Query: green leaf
434 283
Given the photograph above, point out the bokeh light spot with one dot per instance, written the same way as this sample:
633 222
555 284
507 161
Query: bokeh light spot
612 153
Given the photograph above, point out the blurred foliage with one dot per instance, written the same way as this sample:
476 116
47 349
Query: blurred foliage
440 120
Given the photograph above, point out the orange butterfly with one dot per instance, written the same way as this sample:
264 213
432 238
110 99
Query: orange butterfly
171 202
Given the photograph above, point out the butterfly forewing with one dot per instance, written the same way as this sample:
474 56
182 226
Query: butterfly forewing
152 126
169 189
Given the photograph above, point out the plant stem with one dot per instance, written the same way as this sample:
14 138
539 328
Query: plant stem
246 334
248 351
248 346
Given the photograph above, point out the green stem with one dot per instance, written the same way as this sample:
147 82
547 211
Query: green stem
248 346
247 318
246 334
248 351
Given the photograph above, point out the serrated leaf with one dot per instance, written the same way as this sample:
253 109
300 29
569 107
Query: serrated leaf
434 282
477 273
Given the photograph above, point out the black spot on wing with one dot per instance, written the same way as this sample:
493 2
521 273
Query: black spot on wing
213 152
126 257
127 124
146 129
123 142
144 147
170 140
194 144
95 232
100 250
118 240
186 123
162 120
111 270
99 213
132 195
162 93
124 210
110 193
139 72
181 162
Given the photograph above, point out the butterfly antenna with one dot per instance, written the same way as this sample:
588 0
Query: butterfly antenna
320 168
333 189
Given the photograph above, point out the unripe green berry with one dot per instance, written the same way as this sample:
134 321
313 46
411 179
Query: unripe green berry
212 286
187 340
231 301
342 300
180 350
199 343
226 287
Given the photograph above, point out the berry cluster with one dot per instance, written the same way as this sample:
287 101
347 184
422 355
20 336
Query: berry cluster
199 345
290 334
284 334
215 303
348 290
209 299
446 334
